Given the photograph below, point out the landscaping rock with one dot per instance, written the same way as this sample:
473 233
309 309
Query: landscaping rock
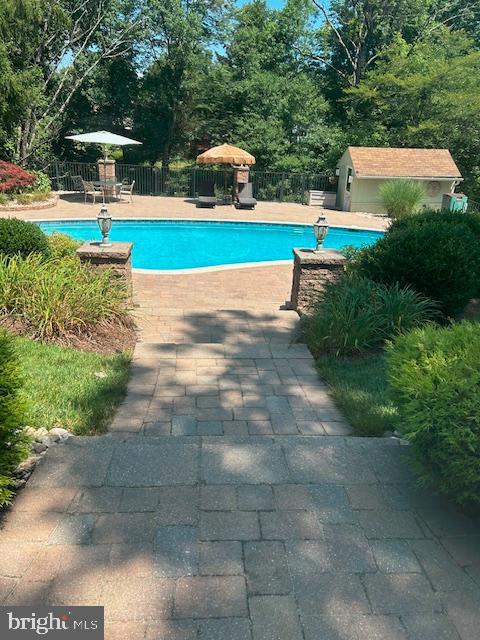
39 447
61 433
49 440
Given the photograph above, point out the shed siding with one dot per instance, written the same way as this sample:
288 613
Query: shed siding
366 196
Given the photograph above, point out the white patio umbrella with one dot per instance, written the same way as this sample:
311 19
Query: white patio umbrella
105 139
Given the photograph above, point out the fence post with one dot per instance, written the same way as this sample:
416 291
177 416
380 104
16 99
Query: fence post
57 178
282 187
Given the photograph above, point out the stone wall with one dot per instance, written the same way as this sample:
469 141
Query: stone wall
117 257
311 271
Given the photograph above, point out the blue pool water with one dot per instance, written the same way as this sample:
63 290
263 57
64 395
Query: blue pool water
180 244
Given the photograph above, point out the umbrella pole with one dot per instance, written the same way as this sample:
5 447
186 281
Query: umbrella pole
104 171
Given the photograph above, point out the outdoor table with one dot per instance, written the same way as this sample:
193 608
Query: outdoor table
111 187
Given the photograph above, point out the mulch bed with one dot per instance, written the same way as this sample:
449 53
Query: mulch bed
105 338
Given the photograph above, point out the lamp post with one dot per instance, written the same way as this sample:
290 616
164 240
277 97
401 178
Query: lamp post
104 220
320 228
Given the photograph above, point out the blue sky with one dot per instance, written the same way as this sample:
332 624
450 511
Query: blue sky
273 4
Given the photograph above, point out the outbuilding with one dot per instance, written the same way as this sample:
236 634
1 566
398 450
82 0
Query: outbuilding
361 171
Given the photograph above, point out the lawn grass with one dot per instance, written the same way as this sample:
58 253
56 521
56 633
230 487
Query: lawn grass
62 389
359 387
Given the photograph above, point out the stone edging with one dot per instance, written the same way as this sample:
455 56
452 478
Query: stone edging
48 204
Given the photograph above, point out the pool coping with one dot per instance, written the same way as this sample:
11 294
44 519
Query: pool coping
220 267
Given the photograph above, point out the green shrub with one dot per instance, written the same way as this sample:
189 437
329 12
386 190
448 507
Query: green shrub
61 245
438 259
57 297
42 183
401 197
434 374
12 441
430 216
4 199
356 314
19 237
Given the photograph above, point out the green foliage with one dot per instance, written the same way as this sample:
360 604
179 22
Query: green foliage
430 216
434 375
55 298
291 86
401 197
19 237
42 183
356 314
424 95
12 414
438 258
60 245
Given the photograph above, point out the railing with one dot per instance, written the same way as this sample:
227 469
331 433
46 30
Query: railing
185 183
473 206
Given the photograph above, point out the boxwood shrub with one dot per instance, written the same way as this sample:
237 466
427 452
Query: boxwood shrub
434 376
428 216
438 256
12 441
19 237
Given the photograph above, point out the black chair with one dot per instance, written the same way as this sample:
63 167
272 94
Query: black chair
245 199
206 195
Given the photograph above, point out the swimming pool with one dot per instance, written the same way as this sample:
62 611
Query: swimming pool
190 244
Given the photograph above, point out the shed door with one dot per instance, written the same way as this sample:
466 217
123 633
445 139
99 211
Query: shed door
347 190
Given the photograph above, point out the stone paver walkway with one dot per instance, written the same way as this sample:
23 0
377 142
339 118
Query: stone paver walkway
227 503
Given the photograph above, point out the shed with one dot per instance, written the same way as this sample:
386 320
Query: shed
361 171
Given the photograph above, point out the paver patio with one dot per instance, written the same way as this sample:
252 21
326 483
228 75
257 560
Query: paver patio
228 503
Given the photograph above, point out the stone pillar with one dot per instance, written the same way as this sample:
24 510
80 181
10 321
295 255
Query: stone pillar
117 257
311 271
106 173
241 175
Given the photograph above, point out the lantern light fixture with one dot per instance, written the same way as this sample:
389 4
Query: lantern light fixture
104 221
320 228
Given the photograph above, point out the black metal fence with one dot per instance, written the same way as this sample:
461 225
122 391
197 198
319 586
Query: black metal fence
185 183
473 206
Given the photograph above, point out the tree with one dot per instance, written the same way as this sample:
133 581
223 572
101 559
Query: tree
53 46
272 101
178 32
427 96
106 101
354 33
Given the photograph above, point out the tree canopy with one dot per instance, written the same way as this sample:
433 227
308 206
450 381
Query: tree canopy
294 85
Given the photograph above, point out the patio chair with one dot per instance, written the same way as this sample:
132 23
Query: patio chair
126 189
78 183
245 199
206 195
91 189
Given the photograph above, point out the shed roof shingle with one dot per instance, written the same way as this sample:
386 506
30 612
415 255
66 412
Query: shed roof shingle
405 163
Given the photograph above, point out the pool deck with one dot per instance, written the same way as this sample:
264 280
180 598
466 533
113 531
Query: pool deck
257 288
227 502
150 207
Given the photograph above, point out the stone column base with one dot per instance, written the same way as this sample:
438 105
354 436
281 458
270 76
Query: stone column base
117 257
311 271
106 174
